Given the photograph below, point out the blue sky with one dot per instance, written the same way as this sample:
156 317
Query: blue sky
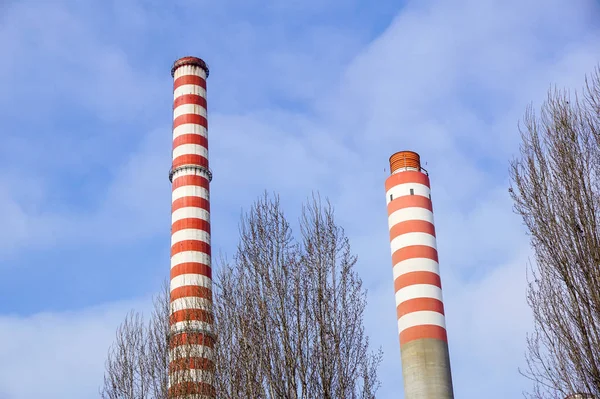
303 95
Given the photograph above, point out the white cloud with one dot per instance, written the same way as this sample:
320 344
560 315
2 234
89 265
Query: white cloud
135 205
58 355
487 322
61 55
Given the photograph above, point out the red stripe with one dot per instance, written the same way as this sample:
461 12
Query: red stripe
189 80
409 201
190 180
404 280
187 389
419 304
190 159
421 332
190 118
194 363
190 138
189 99
193 338
190 223
411 226
190 245
196 202
191 268
190 315
414 251
406 177
191 290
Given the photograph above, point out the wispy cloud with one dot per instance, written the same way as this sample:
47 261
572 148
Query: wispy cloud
58 355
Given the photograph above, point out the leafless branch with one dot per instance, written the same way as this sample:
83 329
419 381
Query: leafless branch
555 188
288 319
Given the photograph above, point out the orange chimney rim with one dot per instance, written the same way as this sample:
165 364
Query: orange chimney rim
404 159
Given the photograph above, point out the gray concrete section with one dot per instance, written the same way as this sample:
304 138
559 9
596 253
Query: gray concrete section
426 369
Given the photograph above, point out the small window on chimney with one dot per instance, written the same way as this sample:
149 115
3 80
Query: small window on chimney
391 197
412 192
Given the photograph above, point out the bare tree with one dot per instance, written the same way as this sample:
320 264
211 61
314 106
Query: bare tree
290 311
137 366
137 362
288 316
556 189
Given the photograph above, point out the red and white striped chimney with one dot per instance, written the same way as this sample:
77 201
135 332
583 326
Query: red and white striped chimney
191 359
419 303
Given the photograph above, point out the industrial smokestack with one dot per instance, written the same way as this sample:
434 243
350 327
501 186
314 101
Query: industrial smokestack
419 304
191 359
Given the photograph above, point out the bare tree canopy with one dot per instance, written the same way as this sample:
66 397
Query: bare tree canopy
556 189
137 363
288 318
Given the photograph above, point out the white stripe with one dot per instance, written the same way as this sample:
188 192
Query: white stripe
191 302
189 128
416 265
190 212
418 291
190 234
191 375
184 109
408 239
421 318
412 213
190 257
189 191
190 149
189 70
190 279
401 190
187 351
405 169
189 89
193 325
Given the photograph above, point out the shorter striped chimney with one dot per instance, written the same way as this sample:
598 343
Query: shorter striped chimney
419 303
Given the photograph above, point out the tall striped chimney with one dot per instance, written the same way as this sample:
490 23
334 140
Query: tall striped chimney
419 304
191 361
